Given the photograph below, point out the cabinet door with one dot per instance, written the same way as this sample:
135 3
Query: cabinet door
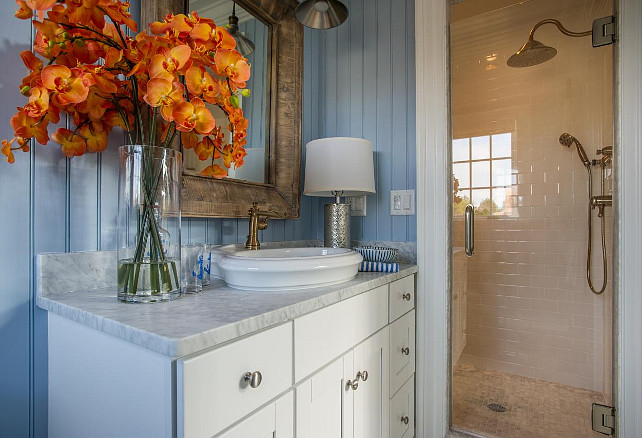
273 421
371 398
318 403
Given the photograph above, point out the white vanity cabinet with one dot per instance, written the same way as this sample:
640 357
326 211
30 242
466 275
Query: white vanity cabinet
349 397
343 370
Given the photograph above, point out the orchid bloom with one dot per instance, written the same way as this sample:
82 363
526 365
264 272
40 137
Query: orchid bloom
70 86
214 171
230 63
168 62
164 94
218 35
200 82
193 115
72 145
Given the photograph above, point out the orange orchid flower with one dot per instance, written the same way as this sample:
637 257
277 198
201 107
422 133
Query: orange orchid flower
70 86
95 136
24 12
168 62
7 150
230 63
194 115
214 171
85 12
189 139
40 5
200 82
38 102
27 127
119 12
218 35
164 94
204 148
72 145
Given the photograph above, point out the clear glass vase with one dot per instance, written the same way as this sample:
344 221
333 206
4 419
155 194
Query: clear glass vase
149 224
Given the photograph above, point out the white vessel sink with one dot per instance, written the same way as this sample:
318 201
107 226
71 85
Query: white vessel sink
286 268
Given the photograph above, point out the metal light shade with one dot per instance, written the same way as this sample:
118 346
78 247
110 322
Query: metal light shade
244 45
321 14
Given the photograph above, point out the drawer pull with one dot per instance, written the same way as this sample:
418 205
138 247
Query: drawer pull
363 375
406 351
352 384
406 296
253 379
405 419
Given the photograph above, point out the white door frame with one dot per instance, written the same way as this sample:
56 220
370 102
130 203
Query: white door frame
433 222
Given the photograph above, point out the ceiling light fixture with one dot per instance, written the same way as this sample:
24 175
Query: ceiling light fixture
321 14
244 45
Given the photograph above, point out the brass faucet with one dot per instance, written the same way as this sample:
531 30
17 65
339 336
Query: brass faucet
258 221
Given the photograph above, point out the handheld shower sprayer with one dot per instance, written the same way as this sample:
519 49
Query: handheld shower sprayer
567 140
600 202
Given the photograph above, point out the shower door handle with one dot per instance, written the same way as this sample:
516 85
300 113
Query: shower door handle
469 231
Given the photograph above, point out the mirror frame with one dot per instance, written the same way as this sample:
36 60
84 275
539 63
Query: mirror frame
208 197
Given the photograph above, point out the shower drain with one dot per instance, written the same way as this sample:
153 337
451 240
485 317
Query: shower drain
496 407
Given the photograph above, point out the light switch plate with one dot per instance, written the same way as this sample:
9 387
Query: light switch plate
357 205
402 202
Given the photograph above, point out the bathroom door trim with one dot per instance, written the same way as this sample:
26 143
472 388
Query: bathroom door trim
433 222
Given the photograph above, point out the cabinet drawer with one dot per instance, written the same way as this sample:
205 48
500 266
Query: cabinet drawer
402 411
402 350
212 392
324 335
402 296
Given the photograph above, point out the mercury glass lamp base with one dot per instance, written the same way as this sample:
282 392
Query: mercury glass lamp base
337 226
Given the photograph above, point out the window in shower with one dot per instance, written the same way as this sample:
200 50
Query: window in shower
482 167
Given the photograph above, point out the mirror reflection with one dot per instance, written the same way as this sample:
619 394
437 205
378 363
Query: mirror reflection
252 39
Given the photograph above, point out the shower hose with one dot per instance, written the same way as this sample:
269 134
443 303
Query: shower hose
590 246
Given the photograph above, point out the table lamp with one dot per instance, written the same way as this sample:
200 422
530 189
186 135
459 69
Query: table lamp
338 166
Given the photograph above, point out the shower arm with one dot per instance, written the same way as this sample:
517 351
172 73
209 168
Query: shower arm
561 28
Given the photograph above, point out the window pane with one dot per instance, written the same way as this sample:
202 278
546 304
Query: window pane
481 174
501 172
481 147
502 145
462 173
461 151
481 202
499 200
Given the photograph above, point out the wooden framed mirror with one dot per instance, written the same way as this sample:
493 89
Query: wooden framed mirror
280 188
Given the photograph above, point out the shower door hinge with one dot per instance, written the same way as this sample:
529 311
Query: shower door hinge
604 31
603 419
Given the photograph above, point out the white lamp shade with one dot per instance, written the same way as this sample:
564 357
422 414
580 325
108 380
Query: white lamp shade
339 164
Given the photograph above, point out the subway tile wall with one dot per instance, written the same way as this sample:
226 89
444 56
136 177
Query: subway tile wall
529 310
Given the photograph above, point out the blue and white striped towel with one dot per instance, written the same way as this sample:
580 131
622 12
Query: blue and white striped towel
378 267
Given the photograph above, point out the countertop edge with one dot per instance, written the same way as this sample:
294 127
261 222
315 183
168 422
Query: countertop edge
217 335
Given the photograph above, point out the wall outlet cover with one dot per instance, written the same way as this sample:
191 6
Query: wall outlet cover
357 205
402 202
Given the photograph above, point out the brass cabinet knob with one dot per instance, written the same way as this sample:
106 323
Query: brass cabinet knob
253 379
405 419
352 384
363 375
406 351
406 296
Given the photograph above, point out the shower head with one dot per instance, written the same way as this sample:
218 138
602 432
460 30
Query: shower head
533 52
567 140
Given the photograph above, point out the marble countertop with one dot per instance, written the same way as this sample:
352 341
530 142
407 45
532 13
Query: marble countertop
197 322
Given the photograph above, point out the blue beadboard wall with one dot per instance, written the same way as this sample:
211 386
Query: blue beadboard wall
358 81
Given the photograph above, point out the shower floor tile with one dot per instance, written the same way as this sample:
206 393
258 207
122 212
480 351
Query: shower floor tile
533 408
